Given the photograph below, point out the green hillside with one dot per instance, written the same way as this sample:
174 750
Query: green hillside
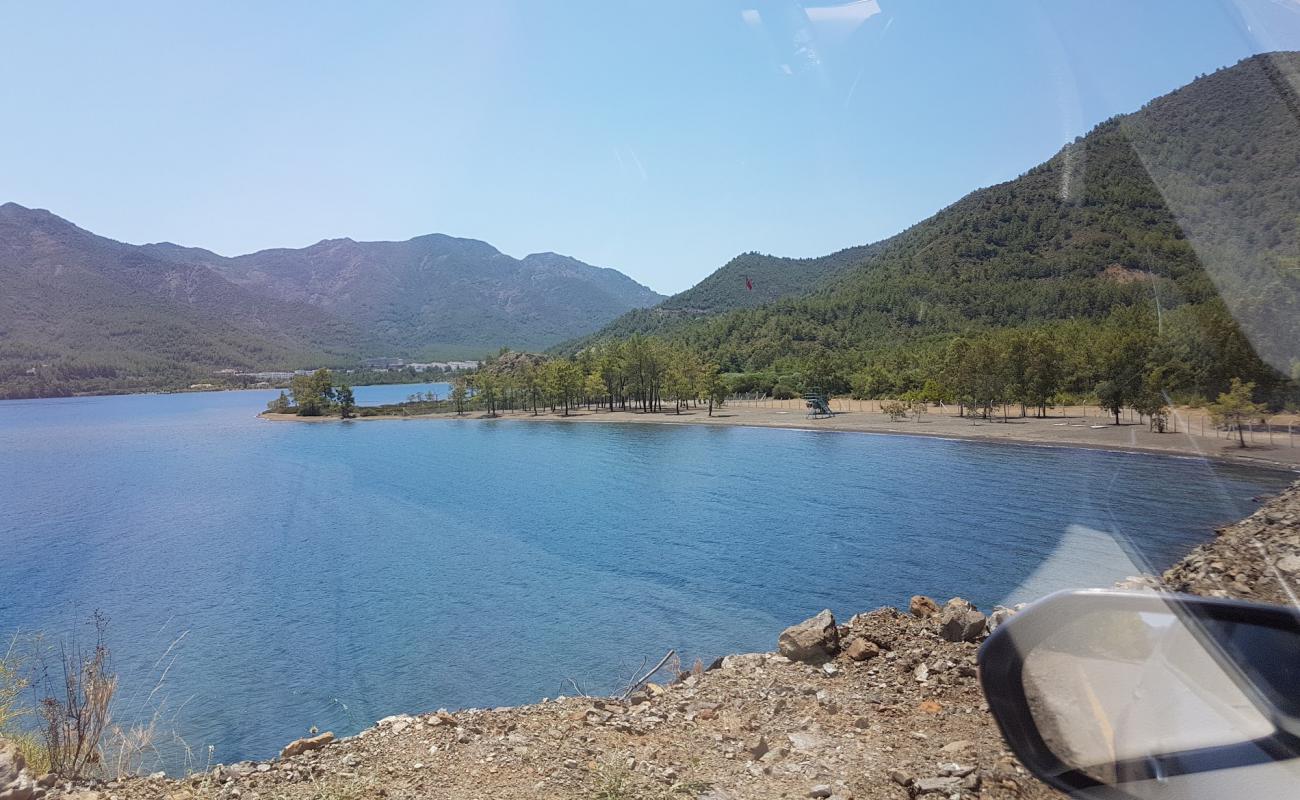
1179 219
749 280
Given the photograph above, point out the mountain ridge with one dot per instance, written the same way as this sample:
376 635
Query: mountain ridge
85 312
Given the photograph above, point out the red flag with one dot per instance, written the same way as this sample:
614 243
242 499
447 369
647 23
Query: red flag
749 284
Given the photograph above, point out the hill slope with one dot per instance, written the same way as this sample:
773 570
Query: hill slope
437 295
81 312
749 280
1189 202
79 309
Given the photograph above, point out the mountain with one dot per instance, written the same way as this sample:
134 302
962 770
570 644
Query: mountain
83 312
747 281
92 309
435 295
1185 209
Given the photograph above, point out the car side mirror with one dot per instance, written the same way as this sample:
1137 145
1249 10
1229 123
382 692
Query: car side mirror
1146 695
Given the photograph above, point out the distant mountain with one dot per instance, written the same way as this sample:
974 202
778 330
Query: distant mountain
78 308
435 295
82 312
1188 205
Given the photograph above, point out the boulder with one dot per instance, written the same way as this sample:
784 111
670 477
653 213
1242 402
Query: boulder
998 616
815 639
923 607
300 746
961 622
860 649
15 782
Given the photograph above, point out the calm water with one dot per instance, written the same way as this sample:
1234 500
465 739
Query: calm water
332 574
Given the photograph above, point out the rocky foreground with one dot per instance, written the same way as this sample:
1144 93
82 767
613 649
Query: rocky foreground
885 706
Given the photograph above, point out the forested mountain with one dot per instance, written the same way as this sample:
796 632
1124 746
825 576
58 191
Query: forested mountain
79 312
749 280
1183 214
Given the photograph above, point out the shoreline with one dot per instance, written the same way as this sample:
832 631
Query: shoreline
1073 432
882 706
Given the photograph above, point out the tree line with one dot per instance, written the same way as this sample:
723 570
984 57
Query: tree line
639 373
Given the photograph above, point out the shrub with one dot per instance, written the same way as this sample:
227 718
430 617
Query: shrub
894 409
784 391
75 710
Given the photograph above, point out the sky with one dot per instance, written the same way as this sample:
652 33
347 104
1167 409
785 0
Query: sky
660 138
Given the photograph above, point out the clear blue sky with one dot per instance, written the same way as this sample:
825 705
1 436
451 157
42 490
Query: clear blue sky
660 138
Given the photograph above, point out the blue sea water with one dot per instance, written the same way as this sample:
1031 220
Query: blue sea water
272 576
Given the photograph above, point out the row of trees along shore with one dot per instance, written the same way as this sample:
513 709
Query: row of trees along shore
637 374
987 375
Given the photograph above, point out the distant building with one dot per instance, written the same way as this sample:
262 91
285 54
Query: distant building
269 376
383 363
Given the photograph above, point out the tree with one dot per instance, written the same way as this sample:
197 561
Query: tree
593 387
347 403
487 388
1235 406
563 381
715 388
1111 396
1150 401
1042 372
280 405
459 394
313 394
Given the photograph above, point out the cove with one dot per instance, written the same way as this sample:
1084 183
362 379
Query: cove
332 574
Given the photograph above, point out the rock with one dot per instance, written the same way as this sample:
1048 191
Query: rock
830 669
922 607
815 639
860 649
957 746
921 672
756 747
1289 564
938 785
953 770
961 622
15 782
806 741
300 746
998 616
901 778
820 790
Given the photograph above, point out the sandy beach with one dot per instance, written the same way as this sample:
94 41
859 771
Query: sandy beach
1071 427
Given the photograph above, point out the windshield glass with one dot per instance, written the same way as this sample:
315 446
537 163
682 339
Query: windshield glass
633 400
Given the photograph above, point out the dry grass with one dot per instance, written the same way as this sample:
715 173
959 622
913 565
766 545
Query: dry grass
75 711
33 749
13 710
12 684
